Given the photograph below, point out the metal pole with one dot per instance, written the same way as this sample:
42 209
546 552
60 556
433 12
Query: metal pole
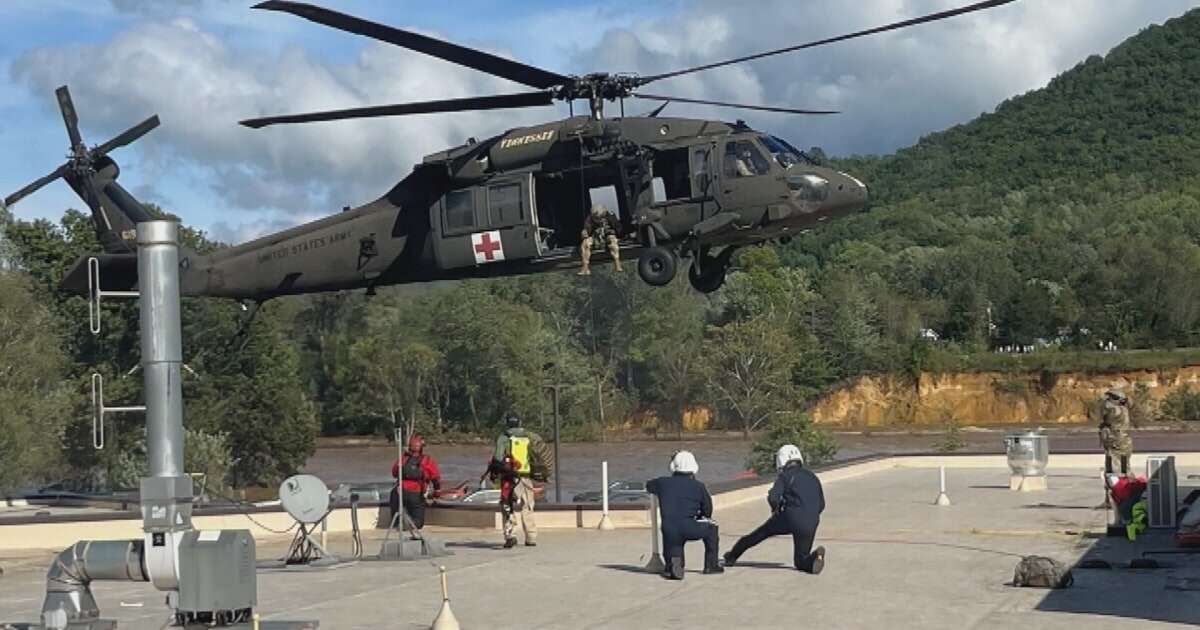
166 495
162 353
604 491
655 565
557 466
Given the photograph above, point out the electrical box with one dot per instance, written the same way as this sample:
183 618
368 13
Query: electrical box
217 574
1162 488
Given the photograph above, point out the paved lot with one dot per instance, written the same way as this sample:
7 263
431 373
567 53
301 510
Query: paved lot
894 561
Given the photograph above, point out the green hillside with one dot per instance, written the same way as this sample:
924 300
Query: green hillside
1076 205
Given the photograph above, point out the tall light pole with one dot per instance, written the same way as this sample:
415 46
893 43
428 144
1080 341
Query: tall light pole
557 469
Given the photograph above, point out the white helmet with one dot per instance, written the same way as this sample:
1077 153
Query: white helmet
684 462
598 209
788 453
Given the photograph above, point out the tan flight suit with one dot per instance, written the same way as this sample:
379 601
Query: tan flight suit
599 230
1114 434
523 512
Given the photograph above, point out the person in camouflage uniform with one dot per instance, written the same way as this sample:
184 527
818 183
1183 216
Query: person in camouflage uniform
1114 431
520 457
600 229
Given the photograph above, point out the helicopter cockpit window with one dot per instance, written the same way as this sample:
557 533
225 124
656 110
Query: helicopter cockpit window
460 210
743 159
783 152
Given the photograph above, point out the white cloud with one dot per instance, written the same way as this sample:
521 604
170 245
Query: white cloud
892 87
200 87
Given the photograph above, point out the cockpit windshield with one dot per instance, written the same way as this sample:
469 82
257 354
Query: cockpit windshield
784 153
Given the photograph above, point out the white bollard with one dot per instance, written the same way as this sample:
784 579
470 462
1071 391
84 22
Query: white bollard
324 532
445 619
605 523
942 499
656 564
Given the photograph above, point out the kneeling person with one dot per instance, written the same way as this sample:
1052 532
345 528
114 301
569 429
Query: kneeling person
796 502
686 515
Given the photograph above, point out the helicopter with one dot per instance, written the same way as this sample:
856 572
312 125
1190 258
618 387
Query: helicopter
511 204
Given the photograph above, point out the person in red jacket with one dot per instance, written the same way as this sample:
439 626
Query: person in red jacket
416 472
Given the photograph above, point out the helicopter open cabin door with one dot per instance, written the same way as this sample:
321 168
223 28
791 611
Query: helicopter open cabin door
487 224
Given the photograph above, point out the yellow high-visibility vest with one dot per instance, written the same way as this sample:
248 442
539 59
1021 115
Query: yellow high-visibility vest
518 447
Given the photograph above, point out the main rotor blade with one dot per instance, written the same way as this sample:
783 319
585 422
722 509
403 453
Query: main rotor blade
461 55
70 118
978 6
474 103
131 134
28 190
764 108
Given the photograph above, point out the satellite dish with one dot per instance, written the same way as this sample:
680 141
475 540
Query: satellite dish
305 497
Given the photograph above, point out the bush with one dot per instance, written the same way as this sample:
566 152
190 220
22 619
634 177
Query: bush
952 439
1181 405
817 445
207 453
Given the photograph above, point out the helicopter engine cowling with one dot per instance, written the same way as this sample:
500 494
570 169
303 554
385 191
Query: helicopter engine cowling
529 145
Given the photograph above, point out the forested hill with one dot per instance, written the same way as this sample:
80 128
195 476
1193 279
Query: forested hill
1072 206
1133 112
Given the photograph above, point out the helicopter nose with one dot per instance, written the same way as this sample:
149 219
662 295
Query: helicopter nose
850 194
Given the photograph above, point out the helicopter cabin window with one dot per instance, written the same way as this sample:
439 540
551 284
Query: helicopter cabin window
671 166
743 159
504 205
460 210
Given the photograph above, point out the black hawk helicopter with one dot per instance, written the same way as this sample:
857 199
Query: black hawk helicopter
511 204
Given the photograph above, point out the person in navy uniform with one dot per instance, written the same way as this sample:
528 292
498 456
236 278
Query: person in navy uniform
796 502
686 515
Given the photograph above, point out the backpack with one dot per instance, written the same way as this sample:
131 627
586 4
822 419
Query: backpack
411 471
1042 572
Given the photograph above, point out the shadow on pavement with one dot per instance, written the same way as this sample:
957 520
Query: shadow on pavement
628 568
1149 594
476 545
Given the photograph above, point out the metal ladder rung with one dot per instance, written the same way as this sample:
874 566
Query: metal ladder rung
99 410
95 293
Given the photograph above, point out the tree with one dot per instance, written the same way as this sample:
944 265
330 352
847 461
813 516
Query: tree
398 377
668 344
818 446
34 400
750 370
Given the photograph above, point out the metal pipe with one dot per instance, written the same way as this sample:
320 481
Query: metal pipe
162 352
68 596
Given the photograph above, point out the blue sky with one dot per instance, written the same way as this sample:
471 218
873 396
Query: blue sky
203 64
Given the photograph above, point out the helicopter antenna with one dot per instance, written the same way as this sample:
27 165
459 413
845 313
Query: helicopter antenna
595 88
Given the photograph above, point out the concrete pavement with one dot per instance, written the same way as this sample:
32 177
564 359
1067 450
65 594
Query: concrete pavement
894 561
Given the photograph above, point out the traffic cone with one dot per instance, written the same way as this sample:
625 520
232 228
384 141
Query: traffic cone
445 619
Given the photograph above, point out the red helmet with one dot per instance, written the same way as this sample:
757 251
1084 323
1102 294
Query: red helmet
416 443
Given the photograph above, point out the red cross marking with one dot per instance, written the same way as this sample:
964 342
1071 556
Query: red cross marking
487 246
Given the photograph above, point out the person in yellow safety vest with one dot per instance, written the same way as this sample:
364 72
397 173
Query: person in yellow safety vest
519 457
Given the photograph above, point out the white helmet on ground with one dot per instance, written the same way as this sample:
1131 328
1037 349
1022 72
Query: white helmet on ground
788 453
684 462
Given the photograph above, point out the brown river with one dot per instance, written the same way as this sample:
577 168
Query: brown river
721 458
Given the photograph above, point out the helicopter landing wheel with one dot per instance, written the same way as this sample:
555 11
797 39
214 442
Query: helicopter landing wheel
656 266
706 282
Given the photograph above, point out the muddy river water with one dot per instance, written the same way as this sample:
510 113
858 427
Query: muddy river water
721 458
